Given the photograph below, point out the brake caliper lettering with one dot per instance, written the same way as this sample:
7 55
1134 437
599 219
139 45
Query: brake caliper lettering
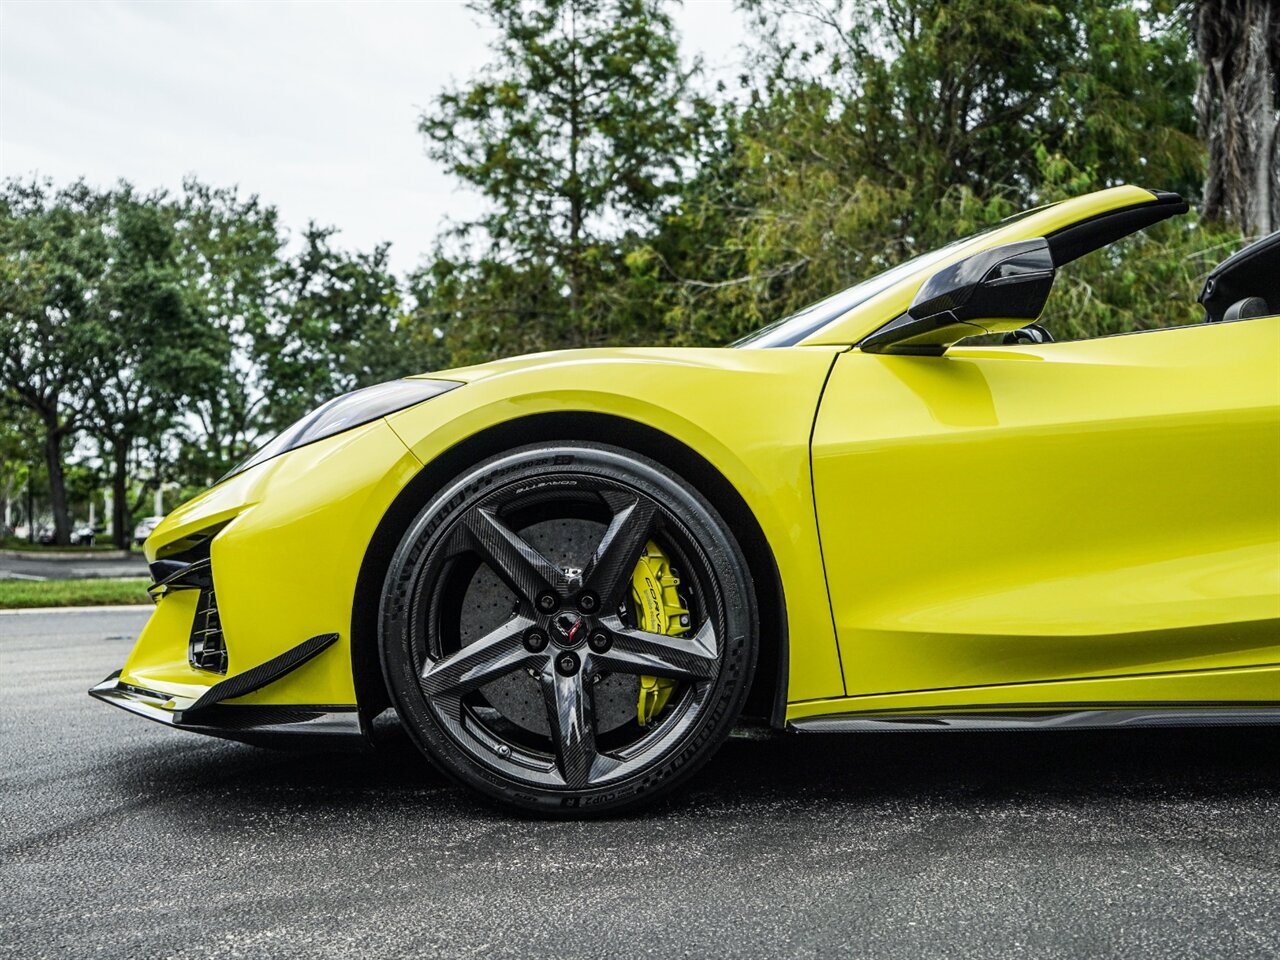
655 598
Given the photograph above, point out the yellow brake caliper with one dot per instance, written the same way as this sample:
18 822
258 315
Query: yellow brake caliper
658 609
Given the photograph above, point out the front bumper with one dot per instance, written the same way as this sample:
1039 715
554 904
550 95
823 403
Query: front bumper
264 560
284 544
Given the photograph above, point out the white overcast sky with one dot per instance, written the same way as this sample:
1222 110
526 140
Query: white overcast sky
313 106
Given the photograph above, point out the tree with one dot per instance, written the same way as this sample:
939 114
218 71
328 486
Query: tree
52 249
343 325
1238 102
874 131
578 131
149 356
20 433
940 94
230 253
472 309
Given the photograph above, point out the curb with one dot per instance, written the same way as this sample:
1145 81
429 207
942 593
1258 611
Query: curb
116 608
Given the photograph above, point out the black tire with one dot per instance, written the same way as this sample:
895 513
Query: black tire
522 709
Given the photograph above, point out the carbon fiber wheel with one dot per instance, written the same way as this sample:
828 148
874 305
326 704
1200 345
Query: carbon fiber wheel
514 642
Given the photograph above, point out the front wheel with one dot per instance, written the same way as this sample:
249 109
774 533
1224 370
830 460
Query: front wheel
568 629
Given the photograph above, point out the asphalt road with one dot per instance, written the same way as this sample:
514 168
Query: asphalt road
124 839
80 567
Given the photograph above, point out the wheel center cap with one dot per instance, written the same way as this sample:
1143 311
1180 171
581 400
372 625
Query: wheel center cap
569 631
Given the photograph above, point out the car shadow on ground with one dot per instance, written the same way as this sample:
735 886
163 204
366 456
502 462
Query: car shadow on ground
1081 768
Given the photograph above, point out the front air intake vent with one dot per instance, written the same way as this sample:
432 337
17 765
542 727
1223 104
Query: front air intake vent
207 649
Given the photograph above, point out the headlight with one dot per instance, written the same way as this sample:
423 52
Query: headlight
345 412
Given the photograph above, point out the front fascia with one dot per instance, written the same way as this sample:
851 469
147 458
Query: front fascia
868 317
292 533
748 412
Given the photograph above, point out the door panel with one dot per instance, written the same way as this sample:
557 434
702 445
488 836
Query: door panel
1009 514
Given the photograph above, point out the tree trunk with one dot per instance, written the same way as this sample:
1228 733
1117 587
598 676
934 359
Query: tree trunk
120 531
57 484
1238 103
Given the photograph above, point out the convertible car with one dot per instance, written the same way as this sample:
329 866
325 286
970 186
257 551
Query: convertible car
572 574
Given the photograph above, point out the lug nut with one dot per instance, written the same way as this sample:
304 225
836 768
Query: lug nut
547 602
567 664
600 641
535 640
588 602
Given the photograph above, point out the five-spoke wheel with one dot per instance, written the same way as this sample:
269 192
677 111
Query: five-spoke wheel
515 638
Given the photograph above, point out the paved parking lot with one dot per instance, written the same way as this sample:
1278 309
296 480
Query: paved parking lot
124 839
79 566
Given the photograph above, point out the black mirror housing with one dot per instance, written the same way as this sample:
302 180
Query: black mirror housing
993 291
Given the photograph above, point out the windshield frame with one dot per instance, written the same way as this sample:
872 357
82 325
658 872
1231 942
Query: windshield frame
799 326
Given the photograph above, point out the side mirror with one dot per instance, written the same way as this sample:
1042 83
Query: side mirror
1001 289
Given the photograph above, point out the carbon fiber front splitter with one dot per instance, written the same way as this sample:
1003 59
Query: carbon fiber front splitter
320 727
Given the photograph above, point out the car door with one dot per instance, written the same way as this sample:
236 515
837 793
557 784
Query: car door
1023 513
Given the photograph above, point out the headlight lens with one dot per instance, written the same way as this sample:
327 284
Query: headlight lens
345 412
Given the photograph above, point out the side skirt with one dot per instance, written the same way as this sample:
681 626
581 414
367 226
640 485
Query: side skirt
1090 719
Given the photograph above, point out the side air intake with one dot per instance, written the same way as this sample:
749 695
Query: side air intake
207 649
191 569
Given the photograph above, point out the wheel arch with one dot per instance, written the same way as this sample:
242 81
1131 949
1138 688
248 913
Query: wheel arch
766 699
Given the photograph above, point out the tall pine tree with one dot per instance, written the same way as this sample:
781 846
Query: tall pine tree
578 131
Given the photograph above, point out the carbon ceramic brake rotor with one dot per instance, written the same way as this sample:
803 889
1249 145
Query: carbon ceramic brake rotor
488 603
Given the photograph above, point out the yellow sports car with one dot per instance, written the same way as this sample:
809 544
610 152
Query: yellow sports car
571 574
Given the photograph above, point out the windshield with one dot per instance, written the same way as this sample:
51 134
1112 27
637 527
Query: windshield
790 330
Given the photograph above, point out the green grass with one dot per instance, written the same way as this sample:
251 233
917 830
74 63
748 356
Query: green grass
19 594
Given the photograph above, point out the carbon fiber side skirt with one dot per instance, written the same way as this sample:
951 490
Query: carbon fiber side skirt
1088 719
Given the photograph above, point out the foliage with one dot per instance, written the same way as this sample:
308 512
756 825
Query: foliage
937 94
52 247
627 203
342 326
159 336
881 130
232 262
866 132
578 131
19 433
1144 281
148 355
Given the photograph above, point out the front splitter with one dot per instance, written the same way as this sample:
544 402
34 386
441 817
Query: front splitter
288 727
